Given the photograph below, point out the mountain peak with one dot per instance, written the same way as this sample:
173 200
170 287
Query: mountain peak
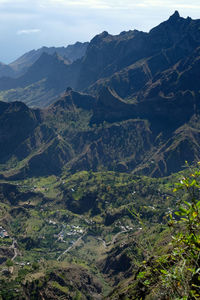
99 37
104 34
175 16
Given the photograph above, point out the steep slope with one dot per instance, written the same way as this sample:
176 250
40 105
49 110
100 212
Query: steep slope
69 53
177 39
21 65
143 119
17 121
142 54
32 141
170 157
113 53
45 66
46 79
80 132
39 76
126 62
23 137
6 70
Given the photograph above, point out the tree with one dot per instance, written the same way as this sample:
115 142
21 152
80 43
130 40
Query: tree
9 263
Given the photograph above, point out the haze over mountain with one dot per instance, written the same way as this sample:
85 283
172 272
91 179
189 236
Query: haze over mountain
128 62
80 132
21 65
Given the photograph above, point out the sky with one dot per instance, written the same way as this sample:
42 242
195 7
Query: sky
31 24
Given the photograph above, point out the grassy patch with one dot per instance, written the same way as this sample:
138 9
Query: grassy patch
61 288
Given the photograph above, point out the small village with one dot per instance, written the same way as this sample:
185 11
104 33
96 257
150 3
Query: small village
3 233
69 231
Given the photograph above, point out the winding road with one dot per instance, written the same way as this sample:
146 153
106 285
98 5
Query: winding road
99 239
113 239
72 246
14 247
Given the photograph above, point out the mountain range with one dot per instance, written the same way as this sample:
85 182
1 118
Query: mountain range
136 109
92 138
131 63
21 65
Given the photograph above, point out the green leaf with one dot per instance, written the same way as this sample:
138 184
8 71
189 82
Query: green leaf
188 203
183 210
147 282
193 182
141 275
164 272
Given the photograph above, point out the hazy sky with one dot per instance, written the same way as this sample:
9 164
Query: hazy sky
30 24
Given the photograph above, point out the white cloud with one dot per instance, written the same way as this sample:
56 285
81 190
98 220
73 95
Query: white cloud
186 6
28 31
124 4
89 4
178 4
4 1
101 4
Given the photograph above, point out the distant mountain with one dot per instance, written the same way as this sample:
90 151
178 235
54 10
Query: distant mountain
46 78
21 65
6 70
129 63
69 53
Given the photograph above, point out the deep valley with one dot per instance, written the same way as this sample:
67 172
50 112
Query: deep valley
99 168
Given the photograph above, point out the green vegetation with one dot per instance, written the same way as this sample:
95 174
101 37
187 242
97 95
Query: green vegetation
174 272
183 278
61 288
108 224
29 94
86 213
